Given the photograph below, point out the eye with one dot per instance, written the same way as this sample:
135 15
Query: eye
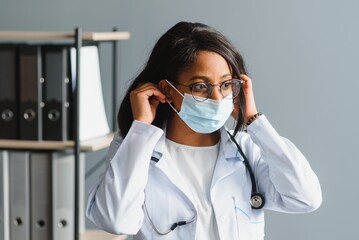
226 85
199 87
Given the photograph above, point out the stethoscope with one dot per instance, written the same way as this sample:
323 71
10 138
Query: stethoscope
257 199
173 226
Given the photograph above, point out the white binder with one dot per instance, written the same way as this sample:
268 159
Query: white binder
40 175
91 97
4 196
19 195
63 195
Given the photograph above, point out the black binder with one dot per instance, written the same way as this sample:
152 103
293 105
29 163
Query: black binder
30 92
56 92
8 93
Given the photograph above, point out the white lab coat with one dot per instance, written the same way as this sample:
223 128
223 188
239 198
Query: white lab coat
139 171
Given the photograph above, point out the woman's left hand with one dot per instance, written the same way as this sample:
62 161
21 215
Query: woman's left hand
251 108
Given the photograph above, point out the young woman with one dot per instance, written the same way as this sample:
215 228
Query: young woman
175 172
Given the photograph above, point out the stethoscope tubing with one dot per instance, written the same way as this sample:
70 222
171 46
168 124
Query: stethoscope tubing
257 199
246 163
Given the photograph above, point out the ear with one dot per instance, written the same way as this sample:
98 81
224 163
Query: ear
166 89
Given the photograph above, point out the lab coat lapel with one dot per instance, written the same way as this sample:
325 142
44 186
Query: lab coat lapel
227 158
226 162
164 164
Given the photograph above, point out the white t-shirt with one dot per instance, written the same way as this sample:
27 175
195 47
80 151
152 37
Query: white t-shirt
196 166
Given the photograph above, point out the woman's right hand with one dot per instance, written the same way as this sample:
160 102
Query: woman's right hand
144 101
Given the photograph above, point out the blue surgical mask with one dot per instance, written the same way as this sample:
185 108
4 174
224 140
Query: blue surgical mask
205 116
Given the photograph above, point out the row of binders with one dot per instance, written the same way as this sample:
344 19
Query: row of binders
37 195
36 85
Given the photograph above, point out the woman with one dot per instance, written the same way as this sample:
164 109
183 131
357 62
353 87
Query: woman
174 171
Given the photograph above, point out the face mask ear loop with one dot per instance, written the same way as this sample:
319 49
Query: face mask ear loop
174 88
174 109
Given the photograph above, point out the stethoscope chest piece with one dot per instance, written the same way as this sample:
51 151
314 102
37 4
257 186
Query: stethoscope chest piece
257 200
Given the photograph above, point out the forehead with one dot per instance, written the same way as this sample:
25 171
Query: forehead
207 64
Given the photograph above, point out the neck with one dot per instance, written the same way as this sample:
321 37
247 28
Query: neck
179 132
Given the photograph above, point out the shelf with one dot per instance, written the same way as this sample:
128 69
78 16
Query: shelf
88 145
98 234
90 36
78 39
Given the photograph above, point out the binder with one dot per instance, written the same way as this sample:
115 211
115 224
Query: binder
56 86
8 92
40 185
30 81
63 195
4 195
91 97
19 195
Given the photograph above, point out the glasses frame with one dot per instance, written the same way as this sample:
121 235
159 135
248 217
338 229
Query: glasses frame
210 87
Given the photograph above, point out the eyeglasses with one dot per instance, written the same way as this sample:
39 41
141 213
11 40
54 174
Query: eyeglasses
203 90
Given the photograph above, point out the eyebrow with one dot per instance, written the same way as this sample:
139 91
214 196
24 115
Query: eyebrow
204 78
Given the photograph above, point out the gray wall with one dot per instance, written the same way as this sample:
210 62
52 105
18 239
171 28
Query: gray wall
301 55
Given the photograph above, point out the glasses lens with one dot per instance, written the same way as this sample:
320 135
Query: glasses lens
230 89
201 91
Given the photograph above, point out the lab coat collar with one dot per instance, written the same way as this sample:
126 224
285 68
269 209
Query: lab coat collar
228 148
227 161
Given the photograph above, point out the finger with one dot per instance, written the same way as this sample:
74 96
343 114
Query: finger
158 95
247 83
148 91
154 101
246 79
145 85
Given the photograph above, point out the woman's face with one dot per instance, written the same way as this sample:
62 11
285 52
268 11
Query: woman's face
208 67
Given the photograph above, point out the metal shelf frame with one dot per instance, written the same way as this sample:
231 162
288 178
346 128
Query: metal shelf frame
79 37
